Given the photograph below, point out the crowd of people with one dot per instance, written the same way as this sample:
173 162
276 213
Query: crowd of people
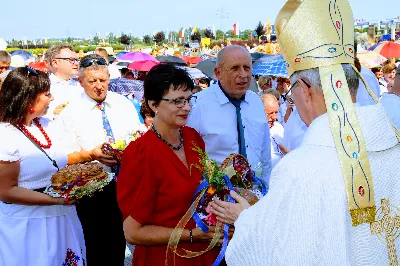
317 168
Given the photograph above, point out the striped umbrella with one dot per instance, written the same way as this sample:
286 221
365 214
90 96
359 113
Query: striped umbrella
371 59
388 49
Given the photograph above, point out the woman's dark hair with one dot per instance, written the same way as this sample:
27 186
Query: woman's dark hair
19 91
205 81
159 80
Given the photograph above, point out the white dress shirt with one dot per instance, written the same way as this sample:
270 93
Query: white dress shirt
277 133
114 71
282 111
63 91
85 123
363 97
295 129
214 117
391 104
383 86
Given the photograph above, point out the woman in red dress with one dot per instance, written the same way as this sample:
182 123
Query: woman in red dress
155 185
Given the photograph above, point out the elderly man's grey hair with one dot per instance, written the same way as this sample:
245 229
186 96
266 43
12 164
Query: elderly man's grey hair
94 66
223 50
54 50
5 57
314 78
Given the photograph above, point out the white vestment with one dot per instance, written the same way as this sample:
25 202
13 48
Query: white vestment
304 218
391 103
363 97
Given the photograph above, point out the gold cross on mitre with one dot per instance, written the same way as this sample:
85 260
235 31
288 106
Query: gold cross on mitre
388 223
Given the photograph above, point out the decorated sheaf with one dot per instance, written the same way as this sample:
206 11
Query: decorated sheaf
320 34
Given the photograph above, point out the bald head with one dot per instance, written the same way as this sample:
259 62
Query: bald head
233 70
271 106
231 49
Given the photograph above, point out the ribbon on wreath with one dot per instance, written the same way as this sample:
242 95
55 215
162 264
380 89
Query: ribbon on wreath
67 188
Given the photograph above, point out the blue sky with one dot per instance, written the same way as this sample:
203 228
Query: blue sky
79 18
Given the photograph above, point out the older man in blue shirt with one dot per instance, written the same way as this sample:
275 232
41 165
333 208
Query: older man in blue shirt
231 118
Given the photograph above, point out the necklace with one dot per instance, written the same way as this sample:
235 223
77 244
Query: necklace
25 130
166 142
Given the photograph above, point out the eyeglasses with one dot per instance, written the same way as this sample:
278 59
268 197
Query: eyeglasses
98 61
285 96
181 102
70 60
269 83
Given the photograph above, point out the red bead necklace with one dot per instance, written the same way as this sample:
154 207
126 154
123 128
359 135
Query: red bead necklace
25 130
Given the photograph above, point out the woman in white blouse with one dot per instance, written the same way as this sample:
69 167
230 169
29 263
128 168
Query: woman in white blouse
35 228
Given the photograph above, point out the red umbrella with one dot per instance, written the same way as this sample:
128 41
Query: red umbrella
192 60
41 66
142 65
389 49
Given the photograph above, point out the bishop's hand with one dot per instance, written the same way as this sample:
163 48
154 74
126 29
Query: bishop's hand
227 212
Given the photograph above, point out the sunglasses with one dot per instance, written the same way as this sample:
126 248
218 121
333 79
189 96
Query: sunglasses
88 62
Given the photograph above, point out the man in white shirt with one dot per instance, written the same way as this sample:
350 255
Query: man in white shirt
391 100
98 117
112 69
229 117
271 106
63 64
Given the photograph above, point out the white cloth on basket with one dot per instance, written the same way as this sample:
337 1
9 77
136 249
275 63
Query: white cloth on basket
37 235
304 218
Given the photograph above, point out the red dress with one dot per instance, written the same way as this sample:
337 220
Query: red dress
155 188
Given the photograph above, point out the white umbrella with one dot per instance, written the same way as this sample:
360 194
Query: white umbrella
194 73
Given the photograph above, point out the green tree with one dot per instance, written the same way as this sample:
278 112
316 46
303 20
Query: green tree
220 35
124 39
229 34
259 29
209 34
159 37
96 40
244 35
147 39
196 36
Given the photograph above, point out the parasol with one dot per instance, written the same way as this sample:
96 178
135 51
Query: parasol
136 56
171 59
142 65
371 59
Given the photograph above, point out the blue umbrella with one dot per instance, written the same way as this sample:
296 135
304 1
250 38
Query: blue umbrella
25 55
373 46
120 54
272 68
386 37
